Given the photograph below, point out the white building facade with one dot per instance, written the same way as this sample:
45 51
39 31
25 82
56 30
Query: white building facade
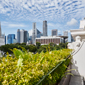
78 46
51 39
78 32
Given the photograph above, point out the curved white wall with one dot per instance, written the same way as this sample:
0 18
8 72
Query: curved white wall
78 61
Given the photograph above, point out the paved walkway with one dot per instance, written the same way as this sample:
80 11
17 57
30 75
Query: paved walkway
76 80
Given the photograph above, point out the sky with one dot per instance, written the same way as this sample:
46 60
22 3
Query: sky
62 15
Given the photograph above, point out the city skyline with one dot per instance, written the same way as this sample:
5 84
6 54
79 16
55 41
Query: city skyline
60 14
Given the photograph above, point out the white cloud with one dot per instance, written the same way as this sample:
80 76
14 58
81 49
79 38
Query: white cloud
55 26
17 25
13 25
51 24
73 22
83 1
30 32
46 9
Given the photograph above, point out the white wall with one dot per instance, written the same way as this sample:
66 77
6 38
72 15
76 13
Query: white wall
78 61
82 23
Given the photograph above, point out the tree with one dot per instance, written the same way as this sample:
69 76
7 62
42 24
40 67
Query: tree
43 48
38 45
32 48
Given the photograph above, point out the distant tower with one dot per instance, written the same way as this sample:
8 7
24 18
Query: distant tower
65 33
10 38
5 39
21 36
0 28
44 28
39 34
34 34
18 36
25 36
2 37
54 32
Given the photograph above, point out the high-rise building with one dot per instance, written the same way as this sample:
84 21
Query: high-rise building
25 36
34 34
45 28
0 28
5 39
54 32
14 41
21 36
18 36
2 37
65 33
39 34
72 40
10 38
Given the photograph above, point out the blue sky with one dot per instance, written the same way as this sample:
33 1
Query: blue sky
60 14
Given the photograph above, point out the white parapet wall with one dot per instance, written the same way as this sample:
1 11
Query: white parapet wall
78 60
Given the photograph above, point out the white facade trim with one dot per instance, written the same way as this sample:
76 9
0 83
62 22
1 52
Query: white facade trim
78 33
48 37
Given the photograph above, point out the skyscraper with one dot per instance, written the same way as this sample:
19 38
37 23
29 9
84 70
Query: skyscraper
34 34
10 38
65 33
0 28
21 36
25 36
45 28
2 37
39 34
18 36
5 39
54 32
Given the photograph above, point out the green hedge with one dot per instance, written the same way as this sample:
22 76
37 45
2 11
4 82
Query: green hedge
28 68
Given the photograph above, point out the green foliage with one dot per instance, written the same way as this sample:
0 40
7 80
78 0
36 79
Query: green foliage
63 45
23 43
7 47
38 45
32 48
51 47
42 48
28 68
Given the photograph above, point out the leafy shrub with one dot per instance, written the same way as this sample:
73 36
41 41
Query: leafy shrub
27 68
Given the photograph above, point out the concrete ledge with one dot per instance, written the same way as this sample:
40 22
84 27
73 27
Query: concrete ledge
76 80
